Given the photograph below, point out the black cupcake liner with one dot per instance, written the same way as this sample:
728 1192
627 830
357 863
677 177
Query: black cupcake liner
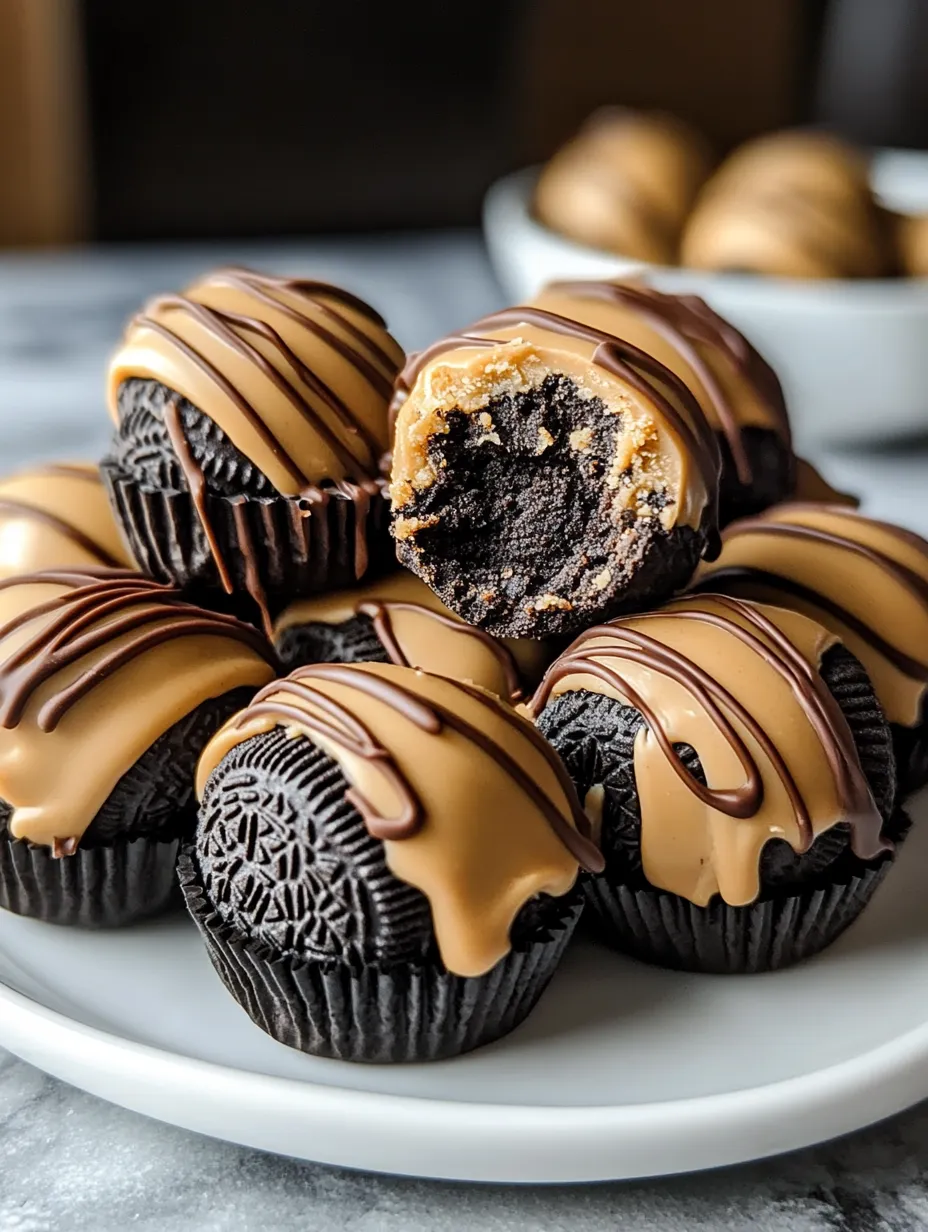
911 749
297 547
666 930
362 1013
97 887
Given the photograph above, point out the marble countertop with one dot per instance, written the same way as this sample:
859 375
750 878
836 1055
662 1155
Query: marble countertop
72 1163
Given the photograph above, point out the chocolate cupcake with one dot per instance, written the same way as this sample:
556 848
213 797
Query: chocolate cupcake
384 863
740 774
864 580
547 474
58 514
737 390
399 620
110 686
251 418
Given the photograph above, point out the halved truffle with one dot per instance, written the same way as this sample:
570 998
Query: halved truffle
738 391
547 474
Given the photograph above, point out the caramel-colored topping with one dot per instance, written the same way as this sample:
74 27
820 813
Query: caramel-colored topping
664 446
57 515
734 386
867 581
473 807
297 373
417 630
812 486
796 205
740 684
814 165
910 233
94 667
625 183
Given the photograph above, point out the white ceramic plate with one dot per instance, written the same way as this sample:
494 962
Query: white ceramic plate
622 1071
851 353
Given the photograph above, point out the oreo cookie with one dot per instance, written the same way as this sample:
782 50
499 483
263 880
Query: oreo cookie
694 733
251 418
385 862
110 686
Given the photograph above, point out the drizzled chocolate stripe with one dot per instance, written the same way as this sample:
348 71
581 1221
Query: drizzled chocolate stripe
646 375
717 702
245 409
429 716
100 607
902 575
229 327
916 585
684 321
20 508
317 293
380 612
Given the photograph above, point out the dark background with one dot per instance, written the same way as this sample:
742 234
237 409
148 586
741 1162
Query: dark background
230 117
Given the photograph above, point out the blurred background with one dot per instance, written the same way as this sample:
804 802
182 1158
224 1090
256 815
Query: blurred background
224 118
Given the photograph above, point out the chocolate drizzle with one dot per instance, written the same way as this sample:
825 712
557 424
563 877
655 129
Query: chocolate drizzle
646 375
99 607
380 610
229 328
749 624
902 575
687 323
347 731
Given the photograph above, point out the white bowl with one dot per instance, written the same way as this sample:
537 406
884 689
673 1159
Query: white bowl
852 355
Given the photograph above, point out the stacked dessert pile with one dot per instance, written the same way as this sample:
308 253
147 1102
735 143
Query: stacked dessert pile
638 659
791 204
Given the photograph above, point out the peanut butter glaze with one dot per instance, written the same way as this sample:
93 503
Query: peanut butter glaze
57 514
734 386
298 375
472 805
95 665
865 580
417 630
739 683
666 444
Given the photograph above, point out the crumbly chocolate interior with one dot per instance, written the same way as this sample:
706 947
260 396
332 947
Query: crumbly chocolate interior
595 736
773 474
142 449
155 797
351 641
287 860
517 533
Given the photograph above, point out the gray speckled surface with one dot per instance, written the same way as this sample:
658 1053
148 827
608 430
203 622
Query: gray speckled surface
71 1162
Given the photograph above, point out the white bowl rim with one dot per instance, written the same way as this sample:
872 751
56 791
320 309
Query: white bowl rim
512 194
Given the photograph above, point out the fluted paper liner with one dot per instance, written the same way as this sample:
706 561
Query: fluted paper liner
300 548
361 1013
661 928
98 887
